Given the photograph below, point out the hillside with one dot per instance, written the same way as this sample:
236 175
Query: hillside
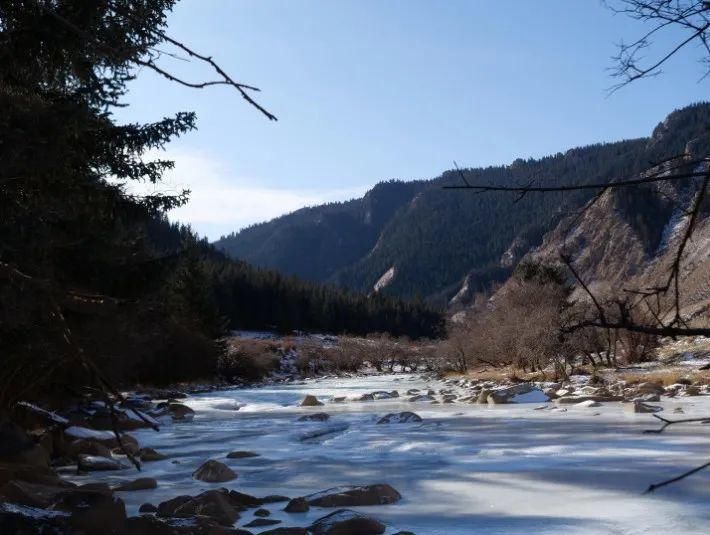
429 241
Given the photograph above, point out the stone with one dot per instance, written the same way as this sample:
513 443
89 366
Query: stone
578 399
325 430
285 531
241 454
91 511
214 472
520 393
142 483
310 401
215 504
274 498
262 512
16 446
198 525
483 396
588 403
317 417
147 508
149 455
640 407
180 412
367 397
95 463
297 505
346 522
691 390
350 496
422 397
244 500
87 446
261 522
26 520
400 418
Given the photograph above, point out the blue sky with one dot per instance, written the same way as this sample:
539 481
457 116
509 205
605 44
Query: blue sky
367 90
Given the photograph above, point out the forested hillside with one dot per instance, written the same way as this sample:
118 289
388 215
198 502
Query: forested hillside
438 237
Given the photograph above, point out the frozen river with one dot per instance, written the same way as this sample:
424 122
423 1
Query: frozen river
466 469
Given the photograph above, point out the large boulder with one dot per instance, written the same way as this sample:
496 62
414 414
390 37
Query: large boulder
198 525
316 417
520 393
16 446
149 454
262 522
142 483
400 418
241 500
215 504
346 522
310 401
95 463
297 505
351 496
285 531
91 511
22 519
180 412
214 472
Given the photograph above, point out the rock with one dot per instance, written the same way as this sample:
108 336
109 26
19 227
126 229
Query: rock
400 418
412 391
588 403
262 512
423 397
678 410
640 407
310 401
381 394
241 454
149 455
199 525
691 390
214 472
91 511
483 396
180 412
215 504
346 522
16 446
25 520
147 508
339 399
86 446
94 463
578 399
520 393
366 397
142 483
350 496
261 522
30 494
324 431
297 505
394 394
274 498
285 531
240 499
317 417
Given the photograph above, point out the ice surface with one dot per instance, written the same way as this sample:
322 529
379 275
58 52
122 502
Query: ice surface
466 469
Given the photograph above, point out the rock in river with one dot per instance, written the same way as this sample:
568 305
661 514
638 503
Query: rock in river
400 418
346 522
351 496
214 472
310 401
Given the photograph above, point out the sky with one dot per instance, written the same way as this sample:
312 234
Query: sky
368 90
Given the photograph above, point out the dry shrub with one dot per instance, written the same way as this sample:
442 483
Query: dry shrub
249 359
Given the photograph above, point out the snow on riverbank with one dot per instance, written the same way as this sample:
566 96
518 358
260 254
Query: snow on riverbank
466 469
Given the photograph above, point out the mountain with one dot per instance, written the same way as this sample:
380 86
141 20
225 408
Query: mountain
418 239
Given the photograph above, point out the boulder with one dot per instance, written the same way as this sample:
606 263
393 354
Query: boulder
142 483
367 397
483 396
297 505
520 393
262 512
215 504
578 399
180 412
351 496
261 522
400 418
285 531
346 522
241 454
87 446
147 508
274 498
422 397
316 417
25 520
639 407
325 430
16 446
95 463
214 472
198 525
239 499
691 390
588 403
91 511
310 401
149 455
